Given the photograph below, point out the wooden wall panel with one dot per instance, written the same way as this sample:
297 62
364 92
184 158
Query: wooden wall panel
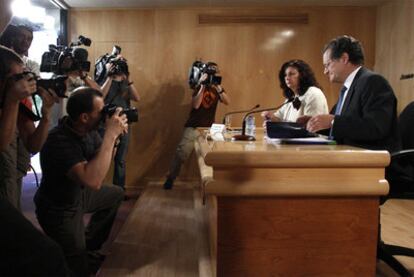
395 47
161 44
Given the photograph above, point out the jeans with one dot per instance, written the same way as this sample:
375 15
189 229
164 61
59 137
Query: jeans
119 162
66 226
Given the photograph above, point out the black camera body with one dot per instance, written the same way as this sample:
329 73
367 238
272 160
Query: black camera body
131 113
61 59
120 66
198 68
56 83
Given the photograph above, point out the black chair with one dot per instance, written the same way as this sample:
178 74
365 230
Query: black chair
401 182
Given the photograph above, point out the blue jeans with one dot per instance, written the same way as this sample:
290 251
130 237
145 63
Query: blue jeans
119 162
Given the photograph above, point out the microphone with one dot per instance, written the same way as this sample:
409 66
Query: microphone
243 135
242 111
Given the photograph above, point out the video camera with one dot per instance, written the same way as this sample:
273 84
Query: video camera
61 59
198 68
131 113
120 65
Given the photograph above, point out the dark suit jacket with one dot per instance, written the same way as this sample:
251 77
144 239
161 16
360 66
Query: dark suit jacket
369 114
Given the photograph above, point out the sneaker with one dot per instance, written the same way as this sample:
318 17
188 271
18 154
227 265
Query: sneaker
168 183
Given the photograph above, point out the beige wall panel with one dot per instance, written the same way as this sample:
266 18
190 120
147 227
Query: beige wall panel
395 47
160 45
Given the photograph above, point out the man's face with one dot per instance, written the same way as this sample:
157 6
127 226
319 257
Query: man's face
23 42
333 68
94 117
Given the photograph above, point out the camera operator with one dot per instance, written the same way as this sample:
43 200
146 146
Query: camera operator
206 95
15 158
75 160
118 89
24 250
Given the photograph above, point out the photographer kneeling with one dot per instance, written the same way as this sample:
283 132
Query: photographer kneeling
75 160
119 90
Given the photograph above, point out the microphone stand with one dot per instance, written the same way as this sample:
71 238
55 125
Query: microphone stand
243 135
242 111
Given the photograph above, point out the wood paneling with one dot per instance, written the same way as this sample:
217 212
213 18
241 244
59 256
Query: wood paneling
295 236
395 47
267 19
160 45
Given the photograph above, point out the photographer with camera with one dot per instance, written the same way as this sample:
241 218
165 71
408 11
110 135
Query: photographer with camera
24 250
75 160
15 159
207 92
119 90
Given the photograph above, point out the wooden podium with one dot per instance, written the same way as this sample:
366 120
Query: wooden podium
292 209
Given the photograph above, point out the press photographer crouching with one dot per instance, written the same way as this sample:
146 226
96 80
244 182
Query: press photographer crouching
75 160
206 93
119 90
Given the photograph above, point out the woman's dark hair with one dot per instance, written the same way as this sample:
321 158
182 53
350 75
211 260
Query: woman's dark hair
7 58
81 101
306 78
346 44
9 36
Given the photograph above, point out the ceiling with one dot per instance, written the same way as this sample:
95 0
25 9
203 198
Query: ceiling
208 3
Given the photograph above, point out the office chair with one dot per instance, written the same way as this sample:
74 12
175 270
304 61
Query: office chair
403 187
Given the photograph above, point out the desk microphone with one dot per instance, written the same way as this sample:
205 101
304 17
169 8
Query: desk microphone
243 111
243 135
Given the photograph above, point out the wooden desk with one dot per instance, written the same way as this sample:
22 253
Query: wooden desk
293 209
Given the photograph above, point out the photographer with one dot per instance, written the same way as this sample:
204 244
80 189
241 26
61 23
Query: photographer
75 161
206 95
119 90
14 159
24 250
19 38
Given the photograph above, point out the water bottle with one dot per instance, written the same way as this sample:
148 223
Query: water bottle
250 126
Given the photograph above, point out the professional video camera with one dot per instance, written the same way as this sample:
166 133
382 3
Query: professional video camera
131 113
198 68
61 59
100 65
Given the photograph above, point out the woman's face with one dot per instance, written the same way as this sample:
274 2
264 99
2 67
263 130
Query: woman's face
292 78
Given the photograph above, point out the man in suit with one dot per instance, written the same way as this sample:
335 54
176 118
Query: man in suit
366 112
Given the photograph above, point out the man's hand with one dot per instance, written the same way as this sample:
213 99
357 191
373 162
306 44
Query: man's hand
117 124
202 78
303 119
49 98
21 89
320 122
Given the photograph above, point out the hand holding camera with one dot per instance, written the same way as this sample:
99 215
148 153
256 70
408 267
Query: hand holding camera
49 98
117 124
